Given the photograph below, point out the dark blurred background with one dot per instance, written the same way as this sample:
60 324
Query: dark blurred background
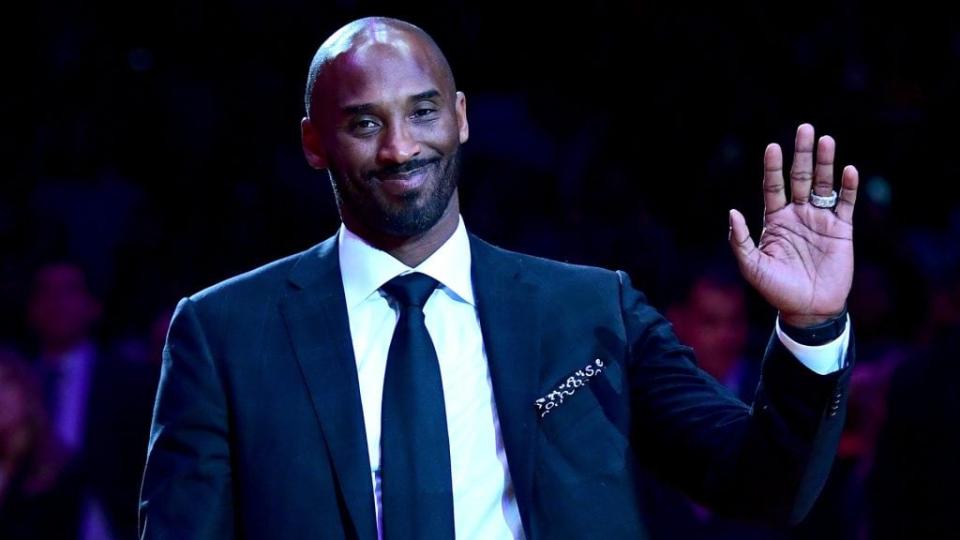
149 149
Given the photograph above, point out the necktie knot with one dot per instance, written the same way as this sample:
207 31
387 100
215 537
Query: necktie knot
411 290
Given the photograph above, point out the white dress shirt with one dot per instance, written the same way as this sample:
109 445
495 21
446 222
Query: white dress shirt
821 359
484 504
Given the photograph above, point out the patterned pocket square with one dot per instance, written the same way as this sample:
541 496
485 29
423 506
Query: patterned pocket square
568 387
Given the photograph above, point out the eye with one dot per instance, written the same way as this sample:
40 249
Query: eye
364 126
424 113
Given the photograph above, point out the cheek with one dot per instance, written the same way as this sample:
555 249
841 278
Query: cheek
354 160
444 135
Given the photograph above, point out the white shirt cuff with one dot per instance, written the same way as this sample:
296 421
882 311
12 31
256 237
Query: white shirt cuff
821 359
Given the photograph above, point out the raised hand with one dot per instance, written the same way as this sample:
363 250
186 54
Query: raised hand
803 264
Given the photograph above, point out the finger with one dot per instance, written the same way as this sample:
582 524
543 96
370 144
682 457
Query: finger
774 197
823 177
801 171
740 241
848 193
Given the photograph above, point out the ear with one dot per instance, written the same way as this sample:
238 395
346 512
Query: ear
461 110
312 149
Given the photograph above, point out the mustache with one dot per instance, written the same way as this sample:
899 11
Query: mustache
402 168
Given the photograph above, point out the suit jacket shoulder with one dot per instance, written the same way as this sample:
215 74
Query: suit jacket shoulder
540 266
263 280
560 285
250 295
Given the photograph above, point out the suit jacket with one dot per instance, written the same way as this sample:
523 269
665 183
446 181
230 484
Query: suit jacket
258 429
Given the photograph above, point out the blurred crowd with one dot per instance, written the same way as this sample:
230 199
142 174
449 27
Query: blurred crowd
150 151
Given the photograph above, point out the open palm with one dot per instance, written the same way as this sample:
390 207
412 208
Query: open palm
803 264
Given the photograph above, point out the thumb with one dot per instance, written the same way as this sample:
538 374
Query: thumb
740 241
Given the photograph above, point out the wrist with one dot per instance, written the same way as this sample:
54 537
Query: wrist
805 321
814 330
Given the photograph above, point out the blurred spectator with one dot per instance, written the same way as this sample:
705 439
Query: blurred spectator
62 311
712 318
39 491
916 475
100 406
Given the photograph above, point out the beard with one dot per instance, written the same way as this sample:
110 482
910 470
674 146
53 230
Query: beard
411 214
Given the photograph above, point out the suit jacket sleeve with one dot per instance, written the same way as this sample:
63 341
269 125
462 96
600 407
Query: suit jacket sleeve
768 460
187 482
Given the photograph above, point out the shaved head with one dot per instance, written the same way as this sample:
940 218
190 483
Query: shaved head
384 118
406 38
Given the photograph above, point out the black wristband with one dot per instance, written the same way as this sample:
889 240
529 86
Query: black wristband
820 334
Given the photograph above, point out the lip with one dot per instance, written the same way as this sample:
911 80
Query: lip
402 184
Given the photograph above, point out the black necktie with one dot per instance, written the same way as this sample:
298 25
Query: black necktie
414 447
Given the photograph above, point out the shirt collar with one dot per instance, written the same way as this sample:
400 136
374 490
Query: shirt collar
364 268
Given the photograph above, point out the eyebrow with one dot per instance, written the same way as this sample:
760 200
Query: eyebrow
367 107
432 93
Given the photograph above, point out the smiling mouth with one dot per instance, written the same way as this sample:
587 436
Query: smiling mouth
403 183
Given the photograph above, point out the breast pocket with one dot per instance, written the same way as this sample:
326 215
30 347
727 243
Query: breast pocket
582 433
567 415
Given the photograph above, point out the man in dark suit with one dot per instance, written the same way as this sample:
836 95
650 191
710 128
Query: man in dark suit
404 379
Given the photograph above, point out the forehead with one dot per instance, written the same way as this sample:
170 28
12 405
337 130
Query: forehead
382 70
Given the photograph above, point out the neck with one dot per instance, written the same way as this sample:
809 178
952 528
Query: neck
412 250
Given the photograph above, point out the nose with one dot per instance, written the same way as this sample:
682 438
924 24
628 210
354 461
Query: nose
397 146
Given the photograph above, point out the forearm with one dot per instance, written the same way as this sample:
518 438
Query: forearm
767 460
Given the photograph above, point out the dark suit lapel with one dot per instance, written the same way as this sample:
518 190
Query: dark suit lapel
509 312
315 312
